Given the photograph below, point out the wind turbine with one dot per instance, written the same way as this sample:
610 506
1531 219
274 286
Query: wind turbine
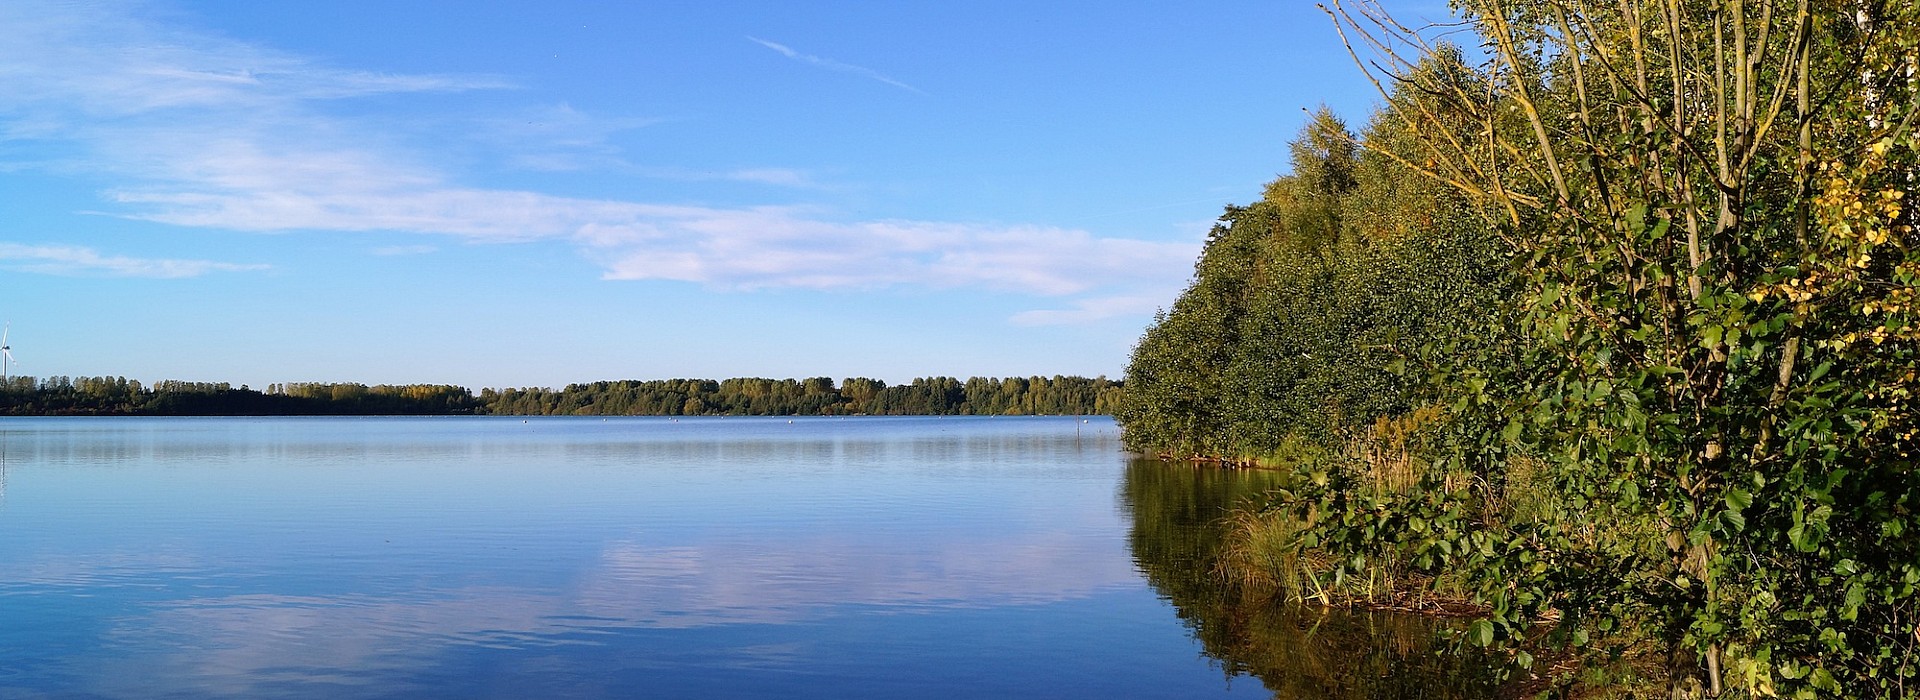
6 352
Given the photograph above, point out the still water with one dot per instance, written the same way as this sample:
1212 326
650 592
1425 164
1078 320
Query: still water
648 557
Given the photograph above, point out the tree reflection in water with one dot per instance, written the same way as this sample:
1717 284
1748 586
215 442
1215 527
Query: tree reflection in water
1297 651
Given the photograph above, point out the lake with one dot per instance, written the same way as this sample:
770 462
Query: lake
699 557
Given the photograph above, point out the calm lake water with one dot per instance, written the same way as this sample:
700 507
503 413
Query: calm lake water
712 557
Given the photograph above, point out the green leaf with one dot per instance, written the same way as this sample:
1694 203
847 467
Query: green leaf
1856 597
1480 633
1637 217
1823 680
1738 499
1797 535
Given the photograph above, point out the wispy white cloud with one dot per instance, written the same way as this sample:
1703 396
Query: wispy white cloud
394 250
76 260
776 247
784 177
729 248
1093 309
833 65
560 138
105 60
779 177
209 132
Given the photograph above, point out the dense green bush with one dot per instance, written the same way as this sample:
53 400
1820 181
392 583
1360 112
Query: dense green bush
1307 306
1679 430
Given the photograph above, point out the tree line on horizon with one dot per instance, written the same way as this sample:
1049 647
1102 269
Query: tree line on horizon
748 396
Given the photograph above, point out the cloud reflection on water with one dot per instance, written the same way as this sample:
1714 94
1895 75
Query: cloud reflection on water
243 644
349 557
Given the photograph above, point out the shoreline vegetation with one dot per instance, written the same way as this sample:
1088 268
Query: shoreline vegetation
1604 332
818 396
1296 651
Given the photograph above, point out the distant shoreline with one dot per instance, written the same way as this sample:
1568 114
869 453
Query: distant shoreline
750 396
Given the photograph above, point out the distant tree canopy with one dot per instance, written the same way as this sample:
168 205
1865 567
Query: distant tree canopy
119 396
22 396
752 396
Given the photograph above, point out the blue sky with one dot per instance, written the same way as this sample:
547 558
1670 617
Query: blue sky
492 193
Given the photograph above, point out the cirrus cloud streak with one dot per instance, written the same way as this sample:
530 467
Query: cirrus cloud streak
77 260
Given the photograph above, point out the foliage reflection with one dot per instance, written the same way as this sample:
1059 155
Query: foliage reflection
1178 514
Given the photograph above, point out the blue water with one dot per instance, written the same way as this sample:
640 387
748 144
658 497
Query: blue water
580 557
